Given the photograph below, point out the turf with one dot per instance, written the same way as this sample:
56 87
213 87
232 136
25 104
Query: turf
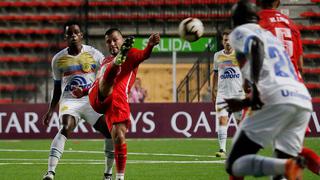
148 159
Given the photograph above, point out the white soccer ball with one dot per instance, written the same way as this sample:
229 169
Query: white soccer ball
191 29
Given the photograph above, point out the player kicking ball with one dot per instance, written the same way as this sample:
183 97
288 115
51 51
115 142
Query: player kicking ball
109 93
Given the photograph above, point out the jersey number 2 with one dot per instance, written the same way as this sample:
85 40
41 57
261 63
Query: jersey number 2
283 67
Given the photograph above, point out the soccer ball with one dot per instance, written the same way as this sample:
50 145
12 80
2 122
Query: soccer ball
191 29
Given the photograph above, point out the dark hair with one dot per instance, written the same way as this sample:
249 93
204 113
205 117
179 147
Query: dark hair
244 12
71 23
112 30
266 3
226 32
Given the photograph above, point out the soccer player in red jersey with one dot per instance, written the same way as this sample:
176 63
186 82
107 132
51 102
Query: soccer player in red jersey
109 93
285 30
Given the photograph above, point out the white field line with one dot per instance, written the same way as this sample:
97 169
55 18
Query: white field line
135 139
102 163
100 152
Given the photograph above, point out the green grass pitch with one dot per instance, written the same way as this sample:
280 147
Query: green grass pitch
148 159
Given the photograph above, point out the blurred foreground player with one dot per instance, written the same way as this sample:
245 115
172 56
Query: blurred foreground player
75 65
109 93
281 105
288 33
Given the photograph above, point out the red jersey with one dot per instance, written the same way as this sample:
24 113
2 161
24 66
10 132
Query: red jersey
285 30
116 106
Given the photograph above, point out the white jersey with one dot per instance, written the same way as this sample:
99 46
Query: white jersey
229 75
79 70
278 81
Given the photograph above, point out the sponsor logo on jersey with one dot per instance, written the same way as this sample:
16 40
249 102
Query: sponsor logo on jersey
288 93
77 81
230 73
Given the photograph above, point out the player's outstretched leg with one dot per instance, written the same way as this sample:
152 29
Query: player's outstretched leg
57 145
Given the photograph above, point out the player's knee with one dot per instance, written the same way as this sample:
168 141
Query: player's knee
119 136
66 130
223 120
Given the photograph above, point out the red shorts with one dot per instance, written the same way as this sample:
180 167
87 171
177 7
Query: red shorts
116 110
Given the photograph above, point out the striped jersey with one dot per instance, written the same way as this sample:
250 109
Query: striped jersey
229 75
79 70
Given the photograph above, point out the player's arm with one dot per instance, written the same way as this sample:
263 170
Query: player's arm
257 54
214 79
56 92
214 85
54 102
141 55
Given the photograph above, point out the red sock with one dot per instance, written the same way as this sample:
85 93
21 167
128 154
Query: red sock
120 156
235 178
313 160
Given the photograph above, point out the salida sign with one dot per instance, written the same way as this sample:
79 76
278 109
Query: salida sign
159 120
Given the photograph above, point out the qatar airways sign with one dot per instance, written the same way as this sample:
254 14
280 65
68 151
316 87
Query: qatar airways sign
148 120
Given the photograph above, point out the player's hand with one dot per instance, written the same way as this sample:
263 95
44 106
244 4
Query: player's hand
234 105
154 39
77 92
46 118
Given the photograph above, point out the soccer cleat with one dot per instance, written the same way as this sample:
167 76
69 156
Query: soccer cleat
49 175
126 46
294 167
221 154
107 176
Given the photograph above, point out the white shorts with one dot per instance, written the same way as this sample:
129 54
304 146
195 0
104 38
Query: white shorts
223 112
79 109
283 125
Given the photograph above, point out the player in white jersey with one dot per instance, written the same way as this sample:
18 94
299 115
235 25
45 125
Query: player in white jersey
281 105
75 66
227 83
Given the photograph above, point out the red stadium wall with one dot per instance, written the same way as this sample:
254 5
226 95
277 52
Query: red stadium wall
148 120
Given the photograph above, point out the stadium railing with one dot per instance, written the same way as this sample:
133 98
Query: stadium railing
37 17
27 59
313 85
189 88
156 16
310 41
30 31
309 28
41 3
10 100
310 14
124 16
69 3
15 87
29 44
311 56
17 73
